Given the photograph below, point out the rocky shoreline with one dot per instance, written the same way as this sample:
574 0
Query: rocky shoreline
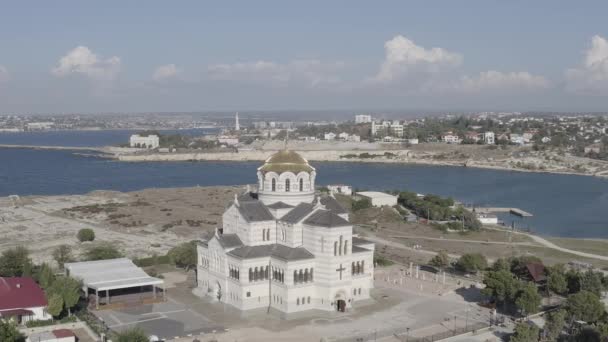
376 156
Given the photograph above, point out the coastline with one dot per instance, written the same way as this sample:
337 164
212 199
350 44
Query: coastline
398 157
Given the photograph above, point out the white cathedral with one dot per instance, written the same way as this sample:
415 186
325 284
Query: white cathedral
284 248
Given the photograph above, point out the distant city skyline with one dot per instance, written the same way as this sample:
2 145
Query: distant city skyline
431 56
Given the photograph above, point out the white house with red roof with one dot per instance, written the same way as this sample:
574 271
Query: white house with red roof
22 300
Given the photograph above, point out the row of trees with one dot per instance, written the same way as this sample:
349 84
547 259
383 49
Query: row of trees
433 207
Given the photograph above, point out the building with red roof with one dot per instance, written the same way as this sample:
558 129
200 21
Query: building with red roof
58 335
22 300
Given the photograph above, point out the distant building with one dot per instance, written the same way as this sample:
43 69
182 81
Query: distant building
593 148
489 138
228 140
379 199
22 300
451 138
354 138
413 141
340 189
39 126
363 118
148 141
237 126
487 218
343 136
517 139
330 136
472 136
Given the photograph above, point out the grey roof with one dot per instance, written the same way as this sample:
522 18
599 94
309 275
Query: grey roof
275 250
360 241
298 213
326 218
280 205
357 249
255 211
248 196
110 274
332 204
229 240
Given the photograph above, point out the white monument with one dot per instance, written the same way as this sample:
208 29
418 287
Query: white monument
144 141
285 248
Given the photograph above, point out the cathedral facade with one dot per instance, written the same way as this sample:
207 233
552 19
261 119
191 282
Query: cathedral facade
283 247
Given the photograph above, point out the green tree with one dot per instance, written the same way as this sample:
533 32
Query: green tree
554 324
68 289
9 332
501 264
440 260
501 286
519 265
102 252
588 334
602 329
472 263
528 300
131 335
63 254
55 306
556 280
585 306
15 262
86 234
525 332
46 276
361 204
592 282
184 255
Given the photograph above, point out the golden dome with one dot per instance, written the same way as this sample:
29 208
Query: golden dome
286 161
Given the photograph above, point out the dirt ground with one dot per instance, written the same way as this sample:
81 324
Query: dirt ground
140 223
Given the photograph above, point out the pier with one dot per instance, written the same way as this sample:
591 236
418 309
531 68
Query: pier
514 211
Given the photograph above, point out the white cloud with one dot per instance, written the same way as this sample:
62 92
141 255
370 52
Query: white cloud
4 76
309 73
402 55
81 60
591 77
165 72
496 80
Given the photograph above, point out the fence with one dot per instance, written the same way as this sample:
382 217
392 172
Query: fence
446 334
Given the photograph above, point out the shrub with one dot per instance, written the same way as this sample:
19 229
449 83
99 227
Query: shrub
102 252
86 234
361 204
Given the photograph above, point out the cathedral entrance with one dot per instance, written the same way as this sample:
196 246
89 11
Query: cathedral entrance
341 305
217 291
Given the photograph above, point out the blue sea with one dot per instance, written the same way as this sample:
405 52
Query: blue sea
563 205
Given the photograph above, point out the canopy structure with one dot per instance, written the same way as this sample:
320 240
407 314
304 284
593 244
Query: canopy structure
112 274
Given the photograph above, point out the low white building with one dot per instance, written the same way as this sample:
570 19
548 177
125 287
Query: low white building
487 218
228 140
361 118
343 136
330 136
413 141
379 199
340 189
144 141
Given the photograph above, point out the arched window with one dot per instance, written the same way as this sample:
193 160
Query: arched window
268 235
335 248
250 274
295 277
362 266
340 250
306 276
345 247
311 279
274 184
353 269
287 184
298 301
308 300
301 184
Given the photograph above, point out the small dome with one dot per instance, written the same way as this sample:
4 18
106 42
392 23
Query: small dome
285 161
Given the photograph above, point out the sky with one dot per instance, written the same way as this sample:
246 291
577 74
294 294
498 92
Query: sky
163 56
